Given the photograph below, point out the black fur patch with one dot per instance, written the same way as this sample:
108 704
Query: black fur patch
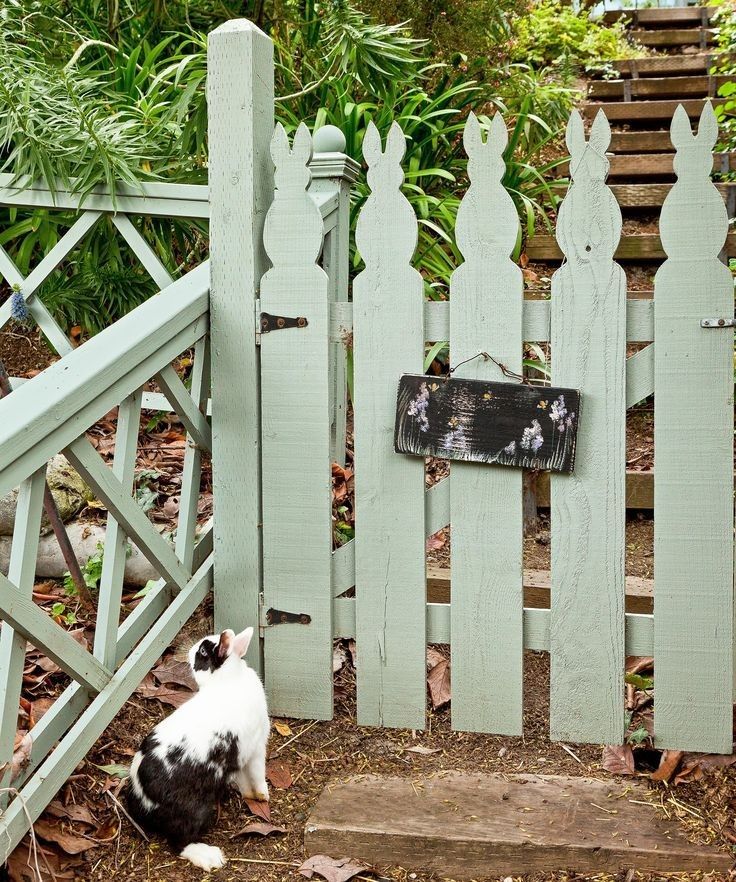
206 657
186 792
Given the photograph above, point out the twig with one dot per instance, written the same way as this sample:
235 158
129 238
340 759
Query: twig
119 804
257 861
33 849
572 753
298 735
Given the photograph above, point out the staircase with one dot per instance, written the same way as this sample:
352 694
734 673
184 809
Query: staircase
639 105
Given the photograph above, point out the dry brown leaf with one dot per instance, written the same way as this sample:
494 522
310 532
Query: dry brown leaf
668 763
262 829
436 541
22 746
51 831
696 764
172 671
438 679
259 808
52 867
165 694
636 664
79 813
618 759
421 749
282 728
331 869
39 707
279 774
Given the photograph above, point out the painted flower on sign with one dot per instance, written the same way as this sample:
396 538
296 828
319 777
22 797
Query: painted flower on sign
418 408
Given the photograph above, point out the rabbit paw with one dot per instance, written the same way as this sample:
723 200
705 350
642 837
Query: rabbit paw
206 857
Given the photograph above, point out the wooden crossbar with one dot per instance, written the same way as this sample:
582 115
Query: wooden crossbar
188 412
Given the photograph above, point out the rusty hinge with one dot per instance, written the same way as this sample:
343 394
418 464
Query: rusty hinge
270 322
718 323
271 617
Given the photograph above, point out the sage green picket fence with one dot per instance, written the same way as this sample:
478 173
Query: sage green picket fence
277 397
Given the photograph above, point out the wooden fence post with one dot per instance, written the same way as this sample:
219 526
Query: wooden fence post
240 100
388 327
693 453
588 331
486 300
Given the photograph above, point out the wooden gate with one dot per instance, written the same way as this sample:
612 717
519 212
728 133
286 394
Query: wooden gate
374 588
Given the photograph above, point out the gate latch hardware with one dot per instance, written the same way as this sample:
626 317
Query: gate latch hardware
270 322
718 323
280 617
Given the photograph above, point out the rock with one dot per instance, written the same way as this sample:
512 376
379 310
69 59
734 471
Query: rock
68 489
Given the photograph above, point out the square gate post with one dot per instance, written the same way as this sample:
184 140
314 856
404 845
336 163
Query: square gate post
240 101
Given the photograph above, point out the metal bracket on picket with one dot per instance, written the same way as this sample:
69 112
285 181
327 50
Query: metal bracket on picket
270 322
718 323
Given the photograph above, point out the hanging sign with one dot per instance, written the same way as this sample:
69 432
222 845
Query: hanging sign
510 424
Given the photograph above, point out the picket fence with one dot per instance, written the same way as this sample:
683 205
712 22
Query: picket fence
273 334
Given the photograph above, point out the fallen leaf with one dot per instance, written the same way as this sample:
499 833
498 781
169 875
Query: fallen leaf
21 755
52 867
282 728
165 694
618 759
279 774
696 764
53 832
421 749
524 260
668 763
173 671
331 869
636 664
438 679
259 808
436 541
115 770
263 829
79 813
39 707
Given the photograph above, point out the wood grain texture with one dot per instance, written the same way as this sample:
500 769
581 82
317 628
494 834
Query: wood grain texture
638 247
656 87
664 64
486 301
661 17
693 440
465 826
589 506
675 37
623 111
21 574
388 339
240 119
296 417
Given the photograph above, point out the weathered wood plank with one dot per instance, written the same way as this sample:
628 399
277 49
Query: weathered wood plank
641 165
588 507
486 300
240 102
501 825
632 111
295 395
643 246
113 564
675 37
693 440
662 16
641 142
658 87
194 421
662 65
150 261
388 340
21 573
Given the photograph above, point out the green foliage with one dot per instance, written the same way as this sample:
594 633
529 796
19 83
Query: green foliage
639 681
638 736
91 571
555 33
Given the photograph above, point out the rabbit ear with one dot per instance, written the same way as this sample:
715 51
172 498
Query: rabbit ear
301 148
472 136
708 126
681 132
396 143
279 144
575 135
241 642
224 646
499 134
372 144
600 133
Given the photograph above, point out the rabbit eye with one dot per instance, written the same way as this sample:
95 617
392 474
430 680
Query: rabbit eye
202 651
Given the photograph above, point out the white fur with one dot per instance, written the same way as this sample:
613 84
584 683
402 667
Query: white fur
148 804
206 857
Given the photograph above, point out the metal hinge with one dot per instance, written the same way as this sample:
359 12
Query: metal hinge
265 323
269 618
718 323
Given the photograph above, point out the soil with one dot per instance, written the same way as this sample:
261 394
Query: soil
24 352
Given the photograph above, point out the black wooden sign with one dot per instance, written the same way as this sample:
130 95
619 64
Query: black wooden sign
511 424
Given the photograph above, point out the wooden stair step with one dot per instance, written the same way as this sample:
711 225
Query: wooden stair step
632 111
661 17
658 87
640 247
653 195
675 37
461 825
641 165
641 142
679 65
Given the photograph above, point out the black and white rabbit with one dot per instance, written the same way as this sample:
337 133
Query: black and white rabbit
217 738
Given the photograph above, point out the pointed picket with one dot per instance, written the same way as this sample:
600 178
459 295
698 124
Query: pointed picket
388 339
588 334
693 451
486 300
295 395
